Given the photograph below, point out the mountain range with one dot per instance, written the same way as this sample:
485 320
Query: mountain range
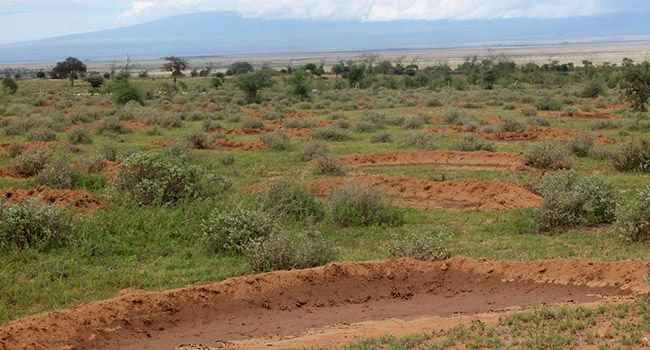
227 33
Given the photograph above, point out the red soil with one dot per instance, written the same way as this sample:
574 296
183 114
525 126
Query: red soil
10 172
285 304
293 132
4 147
135 125
492 120
439 159
542 132
302 114
222 145
463 194
581 115
447 128
82 200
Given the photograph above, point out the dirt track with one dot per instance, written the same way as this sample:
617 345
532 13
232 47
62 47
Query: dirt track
439 159
294 304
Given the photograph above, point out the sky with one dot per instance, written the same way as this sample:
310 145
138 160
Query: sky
23 20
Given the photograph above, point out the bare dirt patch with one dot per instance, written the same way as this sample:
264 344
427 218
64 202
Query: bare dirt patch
135 125
463 194
292 132
542 132
580 115
439 159
82 200
11 172
447 128
4 147
221 144
287 304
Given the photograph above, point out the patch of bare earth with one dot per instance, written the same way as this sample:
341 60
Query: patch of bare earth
328 305
11 172
580 115
542 132
4 147
82 200
222 145
439 159
292 132
463 194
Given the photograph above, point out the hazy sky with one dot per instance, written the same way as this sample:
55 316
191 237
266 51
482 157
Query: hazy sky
22 20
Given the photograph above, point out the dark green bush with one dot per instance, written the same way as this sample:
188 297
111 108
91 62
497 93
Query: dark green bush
198 139
510 124
79 136
633 217
547 154
421 140
42 134
251 123
277 140
362 205
331 133
570 200
232 231
124 92
32 224
30 162
285 198
548 103
381 137
471 142
582 144
423 244
329 166
632 156
149 177
112 125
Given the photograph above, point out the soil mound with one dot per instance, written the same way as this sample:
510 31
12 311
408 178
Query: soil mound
222 145
10 172
463 194
135 125
301 114
439 159
292 132
82 200
542 132
286 302
447 128
580 115
4 147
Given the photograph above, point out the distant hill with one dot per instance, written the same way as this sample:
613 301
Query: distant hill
227 33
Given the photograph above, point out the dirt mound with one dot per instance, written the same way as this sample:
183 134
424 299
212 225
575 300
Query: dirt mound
438 159
82 200
135 125
222 145
4 147
321 123
110 169
286 302
447 128
301 114
542 132
580 115
293 132
10 172
463 194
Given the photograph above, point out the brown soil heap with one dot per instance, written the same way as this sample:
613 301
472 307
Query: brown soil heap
287 303
463 194
222 145
447 128
580 115
292 132
10 172
82 200
542 132
131 124
439 159
4 147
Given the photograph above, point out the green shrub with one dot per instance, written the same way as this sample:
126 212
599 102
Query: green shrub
571 111
582 144
396 120
633 217
509 107
510 124
342 123
381 137
57 172
32 224
251 123
211 125
632 156
548 103
232 231
42 134
539 121
529 111
282 251
547 154
226 158
313 150
329 166
423 244
471 142
414 123
30 162
433 102
149 177
570 200
364 126
421 140
277 140
298 123
452 116
331 133
362 205
285 198
198 139
112 125
375 118
79 136
124 92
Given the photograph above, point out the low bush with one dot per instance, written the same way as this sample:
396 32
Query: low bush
570 111
149 177
381 137
232 231
313 150
112 125
633 217
364 126
277 140
285 198
251 123
198 139
331 133
58 172
329 166
421 140
32 224
632 156
471 142
581 145
298 123
283 251
529 111
414 123
570 200
548 103
452 116
42 134
510 124
547 154
423 244
362 205
79 136
30 162
342 123
433 102
211 125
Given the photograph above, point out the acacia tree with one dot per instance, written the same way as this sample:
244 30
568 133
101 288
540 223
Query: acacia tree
636 85
252 83
69 69
176 65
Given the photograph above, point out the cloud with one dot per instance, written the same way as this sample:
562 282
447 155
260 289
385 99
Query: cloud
374 10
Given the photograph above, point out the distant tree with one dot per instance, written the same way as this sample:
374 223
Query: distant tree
95 80
636 85
10 84
299 83
176 66
144 74
355 75
338 69
40 75
69 68
241 67
216 82
252 83
194 73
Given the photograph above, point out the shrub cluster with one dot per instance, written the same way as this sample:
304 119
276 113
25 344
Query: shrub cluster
277 140
471 142
32 224
421 140
362 205
547 154
633 217
285 198
423 244
632 156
